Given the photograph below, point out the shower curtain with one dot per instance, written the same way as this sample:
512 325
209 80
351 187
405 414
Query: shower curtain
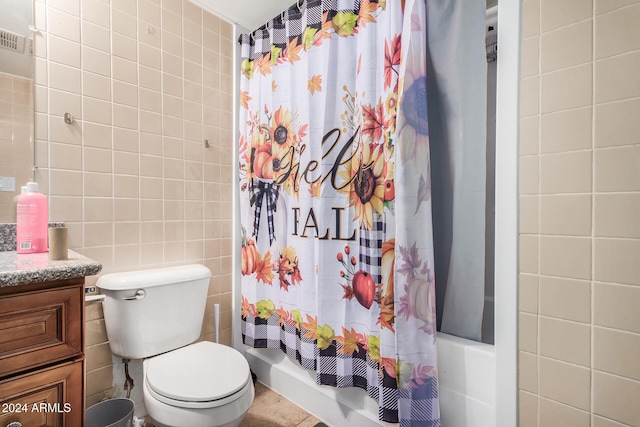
335 199
457 101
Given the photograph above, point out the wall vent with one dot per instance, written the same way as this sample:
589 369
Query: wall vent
11 41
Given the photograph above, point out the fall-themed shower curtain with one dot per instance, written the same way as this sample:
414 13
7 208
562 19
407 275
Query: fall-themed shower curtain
337 252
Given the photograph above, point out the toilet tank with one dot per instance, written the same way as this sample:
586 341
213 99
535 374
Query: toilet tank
149 312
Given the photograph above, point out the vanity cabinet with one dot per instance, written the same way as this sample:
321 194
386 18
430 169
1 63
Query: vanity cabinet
42 354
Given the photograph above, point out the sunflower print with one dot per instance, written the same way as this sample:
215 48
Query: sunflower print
282 131
365 172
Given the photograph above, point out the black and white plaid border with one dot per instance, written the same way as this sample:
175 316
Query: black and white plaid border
279 32
359 370
268 333
370 258
419 406
332 367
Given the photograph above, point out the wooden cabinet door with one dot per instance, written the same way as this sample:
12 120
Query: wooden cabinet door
51 397
40 327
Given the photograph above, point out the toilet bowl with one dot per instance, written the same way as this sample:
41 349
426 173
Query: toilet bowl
204 384
156 315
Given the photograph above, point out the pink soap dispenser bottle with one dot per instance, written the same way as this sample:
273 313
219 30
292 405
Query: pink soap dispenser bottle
32 221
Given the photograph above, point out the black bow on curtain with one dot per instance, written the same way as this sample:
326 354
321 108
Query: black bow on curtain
259 192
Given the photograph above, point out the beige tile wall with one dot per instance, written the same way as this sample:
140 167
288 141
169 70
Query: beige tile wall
16 108
580 214
147 82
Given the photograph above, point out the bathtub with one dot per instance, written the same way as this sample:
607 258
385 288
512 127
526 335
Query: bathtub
467 386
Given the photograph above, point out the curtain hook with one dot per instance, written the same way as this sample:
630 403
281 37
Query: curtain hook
266 25
299 4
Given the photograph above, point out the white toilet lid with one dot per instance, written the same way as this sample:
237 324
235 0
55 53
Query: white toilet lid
200 372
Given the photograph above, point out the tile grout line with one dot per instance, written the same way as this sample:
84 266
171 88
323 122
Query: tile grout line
593 190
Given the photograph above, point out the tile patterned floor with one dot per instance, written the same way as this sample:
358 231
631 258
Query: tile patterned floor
269 409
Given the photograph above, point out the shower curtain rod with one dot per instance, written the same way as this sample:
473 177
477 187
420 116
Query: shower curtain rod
298 4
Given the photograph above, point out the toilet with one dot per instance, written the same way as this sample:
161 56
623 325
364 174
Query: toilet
156 315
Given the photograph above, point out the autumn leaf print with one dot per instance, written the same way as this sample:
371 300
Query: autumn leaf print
315 189
324 32
311 326
374 121
296 276
387 315
275 53
274 85
325 336
420 375
302 132
391 59
288 268
247 68
263 64
348 292
293 51
389 366
344 23
285 317
282 316
365 15
244 99
282 275
264 269
327 26
242 148
311 37
411 262
403 373
315 84
245 307
266 308
297 318
350 341
373 343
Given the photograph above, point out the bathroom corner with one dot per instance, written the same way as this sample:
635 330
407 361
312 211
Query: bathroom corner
142 173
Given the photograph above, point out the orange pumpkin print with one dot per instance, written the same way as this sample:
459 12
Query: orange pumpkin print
250 256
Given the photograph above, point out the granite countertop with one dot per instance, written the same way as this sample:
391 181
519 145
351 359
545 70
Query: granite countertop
21 269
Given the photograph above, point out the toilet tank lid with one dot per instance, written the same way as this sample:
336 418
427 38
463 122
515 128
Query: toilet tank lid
155 277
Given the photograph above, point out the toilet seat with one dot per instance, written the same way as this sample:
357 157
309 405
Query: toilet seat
201 375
